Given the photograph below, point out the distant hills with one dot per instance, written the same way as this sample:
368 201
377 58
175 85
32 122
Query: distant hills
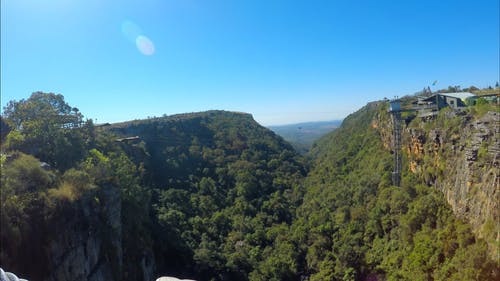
303 135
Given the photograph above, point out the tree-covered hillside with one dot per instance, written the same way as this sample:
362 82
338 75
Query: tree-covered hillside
223 188
354 225
203 195
216 196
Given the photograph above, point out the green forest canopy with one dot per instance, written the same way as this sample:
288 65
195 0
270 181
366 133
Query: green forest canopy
215 195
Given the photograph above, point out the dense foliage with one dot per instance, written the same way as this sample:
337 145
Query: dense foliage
42 126
224 189
354 225
202 191
215 196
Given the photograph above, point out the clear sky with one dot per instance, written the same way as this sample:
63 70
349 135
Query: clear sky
284 61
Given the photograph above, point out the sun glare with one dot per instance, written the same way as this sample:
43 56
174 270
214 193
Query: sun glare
145 45
134 33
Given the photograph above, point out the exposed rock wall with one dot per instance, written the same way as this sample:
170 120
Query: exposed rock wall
87 243
459 155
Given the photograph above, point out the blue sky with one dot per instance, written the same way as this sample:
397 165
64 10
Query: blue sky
283 61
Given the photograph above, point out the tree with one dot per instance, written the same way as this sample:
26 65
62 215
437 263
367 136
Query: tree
471 89
42 106
4 129
45 126
452 89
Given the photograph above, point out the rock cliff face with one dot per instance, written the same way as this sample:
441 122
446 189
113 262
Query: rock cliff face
87 240
457 153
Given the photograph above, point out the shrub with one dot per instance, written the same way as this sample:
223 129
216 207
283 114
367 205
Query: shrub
24 174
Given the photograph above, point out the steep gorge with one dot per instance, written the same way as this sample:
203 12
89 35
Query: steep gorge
193 195
457 153
215 196
461 159
360 227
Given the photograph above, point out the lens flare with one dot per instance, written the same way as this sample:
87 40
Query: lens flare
131 30
145 45
134 34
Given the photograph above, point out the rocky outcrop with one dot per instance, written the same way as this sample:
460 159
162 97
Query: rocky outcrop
87 242
459 155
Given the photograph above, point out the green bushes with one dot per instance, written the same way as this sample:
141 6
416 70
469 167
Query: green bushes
74 184
482 106
24 174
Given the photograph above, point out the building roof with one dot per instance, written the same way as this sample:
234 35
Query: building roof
463 96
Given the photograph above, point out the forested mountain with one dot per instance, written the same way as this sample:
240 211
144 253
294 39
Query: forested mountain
216 196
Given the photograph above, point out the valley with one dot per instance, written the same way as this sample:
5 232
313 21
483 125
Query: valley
216 196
